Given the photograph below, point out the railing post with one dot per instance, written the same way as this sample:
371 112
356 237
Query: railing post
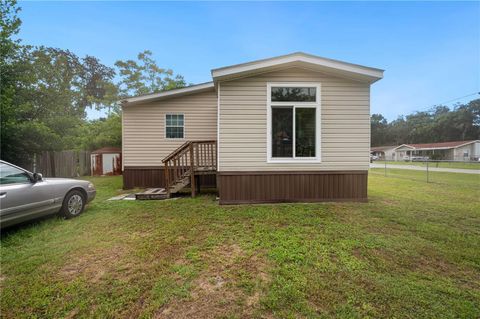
167 179
175 163
197 156
192 171
212 158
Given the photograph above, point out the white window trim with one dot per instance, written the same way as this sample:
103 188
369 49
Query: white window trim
317 105
165 127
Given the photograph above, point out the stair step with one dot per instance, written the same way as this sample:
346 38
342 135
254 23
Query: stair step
177 186
141 196
154 190
152 193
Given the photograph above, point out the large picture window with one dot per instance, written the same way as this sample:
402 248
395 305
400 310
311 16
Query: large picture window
174 125
293 122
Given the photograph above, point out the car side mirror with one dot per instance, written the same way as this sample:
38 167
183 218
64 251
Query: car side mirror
37 177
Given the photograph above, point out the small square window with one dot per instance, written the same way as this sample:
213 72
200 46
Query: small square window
174 126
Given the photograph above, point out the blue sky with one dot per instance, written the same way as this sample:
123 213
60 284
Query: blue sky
430 50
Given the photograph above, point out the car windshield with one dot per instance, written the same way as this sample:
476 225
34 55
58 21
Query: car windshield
12 175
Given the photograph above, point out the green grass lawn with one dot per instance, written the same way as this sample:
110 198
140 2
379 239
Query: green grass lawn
462 165
412 251
454 180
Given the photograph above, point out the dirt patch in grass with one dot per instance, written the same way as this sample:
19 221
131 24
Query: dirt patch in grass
72 314
95 264
215 292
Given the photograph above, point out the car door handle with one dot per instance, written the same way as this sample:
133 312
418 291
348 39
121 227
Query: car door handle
3 194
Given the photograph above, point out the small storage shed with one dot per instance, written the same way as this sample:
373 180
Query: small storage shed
107 161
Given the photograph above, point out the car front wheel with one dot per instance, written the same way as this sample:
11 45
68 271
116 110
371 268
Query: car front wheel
73 204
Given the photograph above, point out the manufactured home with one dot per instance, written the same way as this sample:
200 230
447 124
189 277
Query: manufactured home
386 153
451 151
293 128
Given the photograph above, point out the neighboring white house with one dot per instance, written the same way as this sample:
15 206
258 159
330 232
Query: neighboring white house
453 151
289 128
384 152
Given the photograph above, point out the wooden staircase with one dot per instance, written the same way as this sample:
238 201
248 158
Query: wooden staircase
183 167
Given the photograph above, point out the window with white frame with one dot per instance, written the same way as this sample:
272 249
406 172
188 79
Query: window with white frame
293 125
174 125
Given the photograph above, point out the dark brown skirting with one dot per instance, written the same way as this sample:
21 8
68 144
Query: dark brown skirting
275 187
154 176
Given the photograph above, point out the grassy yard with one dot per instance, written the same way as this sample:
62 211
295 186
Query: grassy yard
454 180
462 165
412 251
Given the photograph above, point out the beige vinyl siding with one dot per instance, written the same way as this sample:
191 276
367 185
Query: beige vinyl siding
144 142
458 152
345 123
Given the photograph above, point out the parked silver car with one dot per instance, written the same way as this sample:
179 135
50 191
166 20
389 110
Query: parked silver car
25 195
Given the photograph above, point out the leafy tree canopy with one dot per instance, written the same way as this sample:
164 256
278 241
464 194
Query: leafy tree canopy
437 125
144 76
45 93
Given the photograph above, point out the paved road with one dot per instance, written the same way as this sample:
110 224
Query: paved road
423 168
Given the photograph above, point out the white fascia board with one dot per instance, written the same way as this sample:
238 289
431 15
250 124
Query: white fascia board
434 148
471 142
171 93
373 73
404 145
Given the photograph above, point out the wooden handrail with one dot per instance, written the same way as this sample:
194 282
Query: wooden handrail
176 151
183 147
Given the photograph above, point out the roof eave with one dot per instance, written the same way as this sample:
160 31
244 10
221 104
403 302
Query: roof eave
423 148
434 148
404 145
474 141
354 71
203 87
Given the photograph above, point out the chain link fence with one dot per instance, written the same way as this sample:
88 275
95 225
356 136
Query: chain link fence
430 171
